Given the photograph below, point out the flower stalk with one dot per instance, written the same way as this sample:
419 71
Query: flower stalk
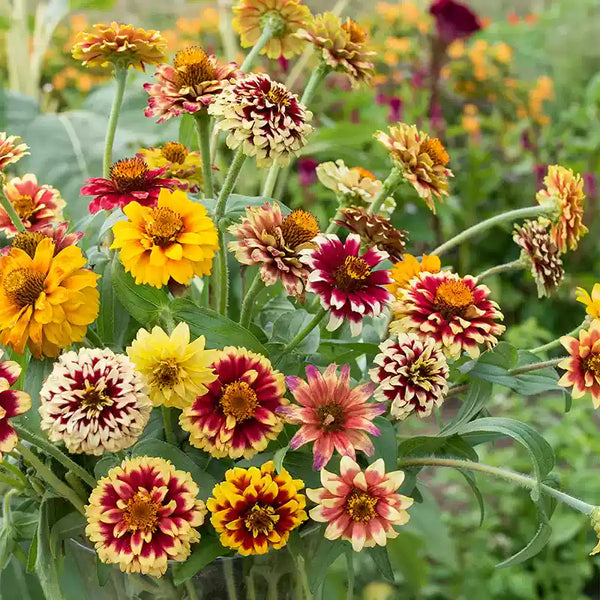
392 181
168 425
121 79
266 34
509 266
202 119
248 304
556 343
303 334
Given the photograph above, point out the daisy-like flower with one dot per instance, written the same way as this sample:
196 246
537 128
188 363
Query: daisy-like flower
143 514
255 510
343 45
263 118
176 239
411 373
283 18
592 302
183 166
176 369
422 160
359 506
28 241
10 150
130 181
191 84
564 191
46 301
237 416
402 272
347 283
331 414
122 45
12 403
94 401
266 238
453 311
540 253
36 205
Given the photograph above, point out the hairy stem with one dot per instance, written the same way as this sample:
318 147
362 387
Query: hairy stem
202 119
509 266
265 36
556 343
120 78
249 298
314 322
167 416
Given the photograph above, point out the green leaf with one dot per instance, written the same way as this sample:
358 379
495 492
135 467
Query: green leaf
326 553
386 445
7 544
46 566
36 372
104 465
288 325
379 555
539 540
106 316
472 482
203 554
478 395
32 555
68 526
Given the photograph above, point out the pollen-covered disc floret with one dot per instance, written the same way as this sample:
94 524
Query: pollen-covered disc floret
12 404
263 118
94 401
143 514
255 510
10 150
359 506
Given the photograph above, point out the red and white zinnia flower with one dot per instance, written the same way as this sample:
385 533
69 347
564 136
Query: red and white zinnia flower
12 404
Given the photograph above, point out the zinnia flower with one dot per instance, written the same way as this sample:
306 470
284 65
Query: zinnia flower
12 404
192 83
176 369
360 506
36 205
331 414
237 416
453 20
402 272
183 166
263 118
28 241
453 311
122 45
176 239
564 190
10 152
144 513
592 303
255 509
283 17
347 283
411 373
266 238
421 159
46 301
94 401
595 520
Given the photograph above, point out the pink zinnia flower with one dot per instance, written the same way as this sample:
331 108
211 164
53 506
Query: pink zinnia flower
29 240
454 20
12 404
360 506
346 282
331 414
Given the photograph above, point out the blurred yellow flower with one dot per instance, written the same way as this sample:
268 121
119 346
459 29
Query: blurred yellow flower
592 302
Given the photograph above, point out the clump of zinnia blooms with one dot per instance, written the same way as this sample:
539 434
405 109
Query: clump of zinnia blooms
332 414
283 18
122 45
255 510
175 369
402 272
190 85
94 401
592 302
46 301
182 165
422 160
28 241
263 118
10 150
268 239
12 404
176 239
143 514
238 414
359 506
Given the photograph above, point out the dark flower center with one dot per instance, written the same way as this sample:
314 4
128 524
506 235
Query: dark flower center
278 95
331 417
360 506
24 286
239 401
129 174
28 242
436 151
351 274
94 400
355 32
592 363
298 228
164 226
192 67
24 206
452 298
174 152
260 520
141 513
166 374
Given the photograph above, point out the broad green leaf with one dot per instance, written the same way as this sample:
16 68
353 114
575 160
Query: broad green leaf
478 395
203 554
7 544
386 445
104 465
288 325
379 555
327 552
539 540
68 526
106 316
36 372
46 566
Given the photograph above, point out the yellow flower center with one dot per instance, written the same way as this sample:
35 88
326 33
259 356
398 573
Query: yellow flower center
260 519
278 95
28 242
299 227
436 151
350 275
94 400
592 363
355 32
239 401
24 206
166 374
452 298
164 226
141 513
129 174
360 506
331 416
364 173
174 152
24 286
192 67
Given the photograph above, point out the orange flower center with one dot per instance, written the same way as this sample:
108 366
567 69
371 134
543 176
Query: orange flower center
164 226
166 374
360 506
24 206
174 152
278 95
299 227
24 286
355 32
28 242
436 151
452 298
364 173
129 174
351 273
239 401
592 363
141 513
94 400
192 67
331 417
260 520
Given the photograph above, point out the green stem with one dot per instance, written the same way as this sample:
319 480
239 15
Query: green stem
120 78
202 119
314 322
509 266
222 282
519 478
6 512
12 213
191 592
350 568
168 424
248 304
229 578
556 343
392 181
229 184
266 35
332 227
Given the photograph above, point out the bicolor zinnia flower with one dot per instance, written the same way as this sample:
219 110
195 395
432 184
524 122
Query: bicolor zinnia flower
176 239
422 160
36 205
283 17
28 241
263 118
191 84
143 514
347 283
402 272
359 506
453 20
46 301
255 510
94 401
564 191
592 302
453 311
238 415
12 404
182 165
176 369
122 45
411 373
11 151
331 414
267 239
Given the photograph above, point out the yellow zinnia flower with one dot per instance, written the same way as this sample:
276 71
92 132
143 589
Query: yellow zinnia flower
402 272
182 164
176 239
592 302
